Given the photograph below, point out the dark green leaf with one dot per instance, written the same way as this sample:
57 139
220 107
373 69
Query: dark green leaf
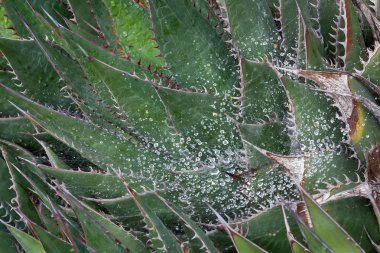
195 54
28 243
253 29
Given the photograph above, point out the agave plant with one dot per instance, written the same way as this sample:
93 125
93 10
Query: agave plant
190 126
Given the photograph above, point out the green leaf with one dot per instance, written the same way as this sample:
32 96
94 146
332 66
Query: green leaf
5 31
316 120
258 227
135 37
296 246
56 9
349 97
32 68
18 130
80 44
354 41
310 51
255 36
65 222
139 103
96 236
326 23
302 44
54 160
6 193
371 67
198 233
327 229
262 116
108 229
66 129
268 136
315 243
12 154
289 18
105 25
5 185
163 239
361 218
6 78
50 242
117 206
201 117
76 83
71 157
327 166
7 243
364 126
28 243
49 221
92 35
245 246
264 97
83 16
242 244
101 232
195 54
87 184
15 8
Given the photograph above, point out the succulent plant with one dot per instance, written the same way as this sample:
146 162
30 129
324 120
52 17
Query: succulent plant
190 126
